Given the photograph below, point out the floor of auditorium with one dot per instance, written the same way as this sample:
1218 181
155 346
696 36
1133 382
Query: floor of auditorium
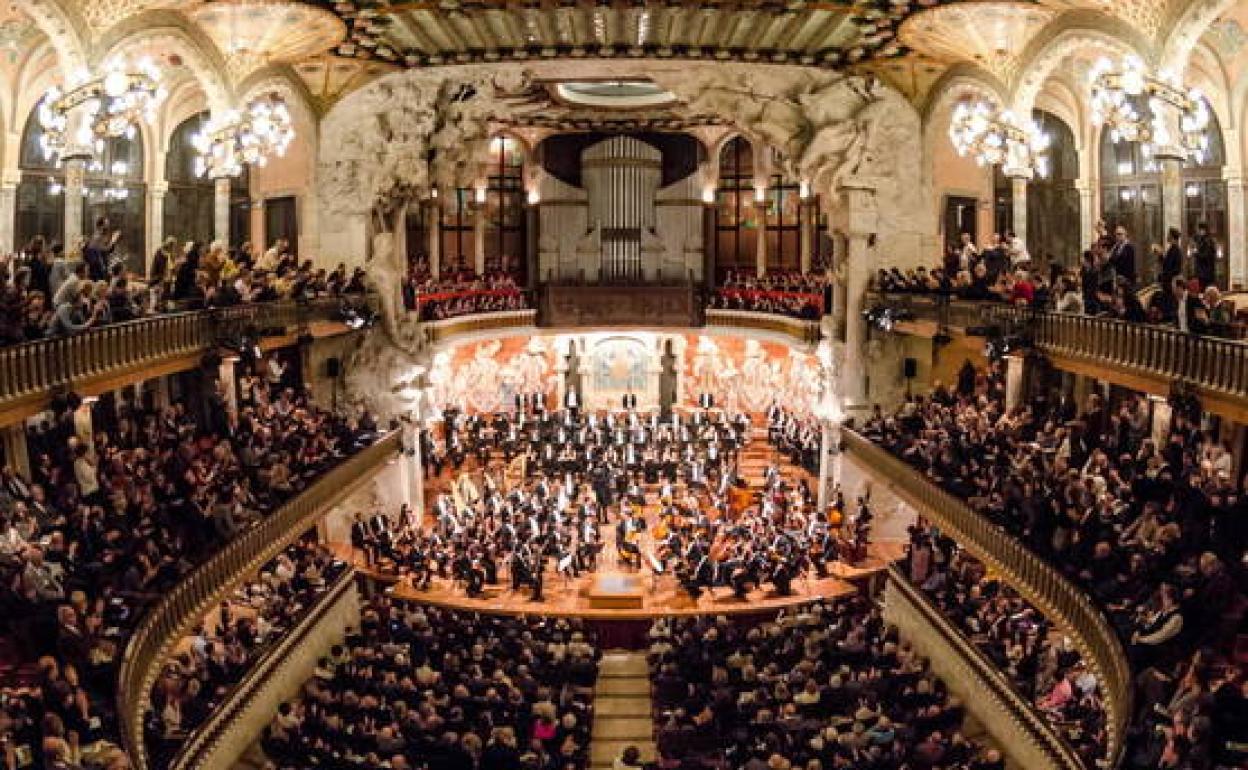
660 595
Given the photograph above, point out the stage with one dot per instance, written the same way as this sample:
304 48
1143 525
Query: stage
658 596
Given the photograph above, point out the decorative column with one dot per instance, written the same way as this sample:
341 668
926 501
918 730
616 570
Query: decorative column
16 452
760 253
155 221
229 386
1171 196
829 460
806 247
478 231
434 228
1018 188
1087 210
1162 414
860 220
161 398
75 173
1015 378
1237 232
221 209
8 210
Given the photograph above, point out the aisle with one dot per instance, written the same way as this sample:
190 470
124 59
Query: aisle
623 712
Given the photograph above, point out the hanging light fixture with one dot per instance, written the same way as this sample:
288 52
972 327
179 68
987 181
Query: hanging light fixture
77 121
1156 111
244 138
997 138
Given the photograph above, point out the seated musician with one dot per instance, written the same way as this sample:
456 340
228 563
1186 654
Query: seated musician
628 534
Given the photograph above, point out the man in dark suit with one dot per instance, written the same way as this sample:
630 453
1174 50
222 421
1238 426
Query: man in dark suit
1172 260
1205 258
1122 256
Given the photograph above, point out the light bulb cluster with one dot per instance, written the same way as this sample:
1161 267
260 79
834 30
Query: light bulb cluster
1155 111
995 137
247 137
76 121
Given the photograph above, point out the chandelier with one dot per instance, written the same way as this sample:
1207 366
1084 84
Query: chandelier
77 121
1167 120
244 138
996 138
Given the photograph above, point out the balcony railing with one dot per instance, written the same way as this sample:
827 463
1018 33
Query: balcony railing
799 329
438 331
205 586
34 369
1023 713
203 740
1216 366
1035 580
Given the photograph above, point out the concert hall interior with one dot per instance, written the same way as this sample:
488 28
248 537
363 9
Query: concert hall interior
623 385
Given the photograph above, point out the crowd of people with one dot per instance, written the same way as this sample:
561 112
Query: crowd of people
120 503
668 487
1153 529
828 685
800 295
47 291
1043 666
1108 283
460 293
423 687
228 642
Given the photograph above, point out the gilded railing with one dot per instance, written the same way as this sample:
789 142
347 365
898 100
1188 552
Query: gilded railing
33 369
178 610
800 329
1215 365
1022 711
1034 579
205 737
439 331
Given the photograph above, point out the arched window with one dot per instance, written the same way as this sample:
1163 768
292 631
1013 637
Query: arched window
456 228
783 217
114 189
1131 195
504 207
190 202
40 191
736 216
1053 201
1204 196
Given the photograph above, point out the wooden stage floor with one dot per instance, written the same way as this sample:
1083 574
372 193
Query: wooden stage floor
661 595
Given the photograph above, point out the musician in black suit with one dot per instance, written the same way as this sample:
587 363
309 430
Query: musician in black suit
630 401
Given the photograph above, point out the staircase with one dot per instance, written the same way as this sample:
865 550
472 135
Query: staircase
623 712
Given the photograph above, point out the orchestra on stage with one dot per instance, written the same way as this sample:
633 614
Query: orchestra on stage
538 494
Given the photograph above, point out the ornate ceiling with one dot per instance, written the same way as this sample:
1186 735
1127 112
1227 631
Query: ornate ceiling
336 46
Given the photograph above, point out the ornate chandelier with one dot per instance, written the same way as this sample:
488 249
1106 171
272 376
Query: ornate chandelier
994 137
243 138
76 122
1168 120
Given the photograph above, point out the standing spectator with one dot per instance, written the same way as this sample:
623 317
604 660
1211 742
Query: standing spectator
1205 256
1122 255
1171 260
99 250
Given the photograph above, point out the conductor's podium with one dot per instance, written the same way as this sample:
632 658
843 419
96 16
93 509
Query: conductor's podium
615 591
